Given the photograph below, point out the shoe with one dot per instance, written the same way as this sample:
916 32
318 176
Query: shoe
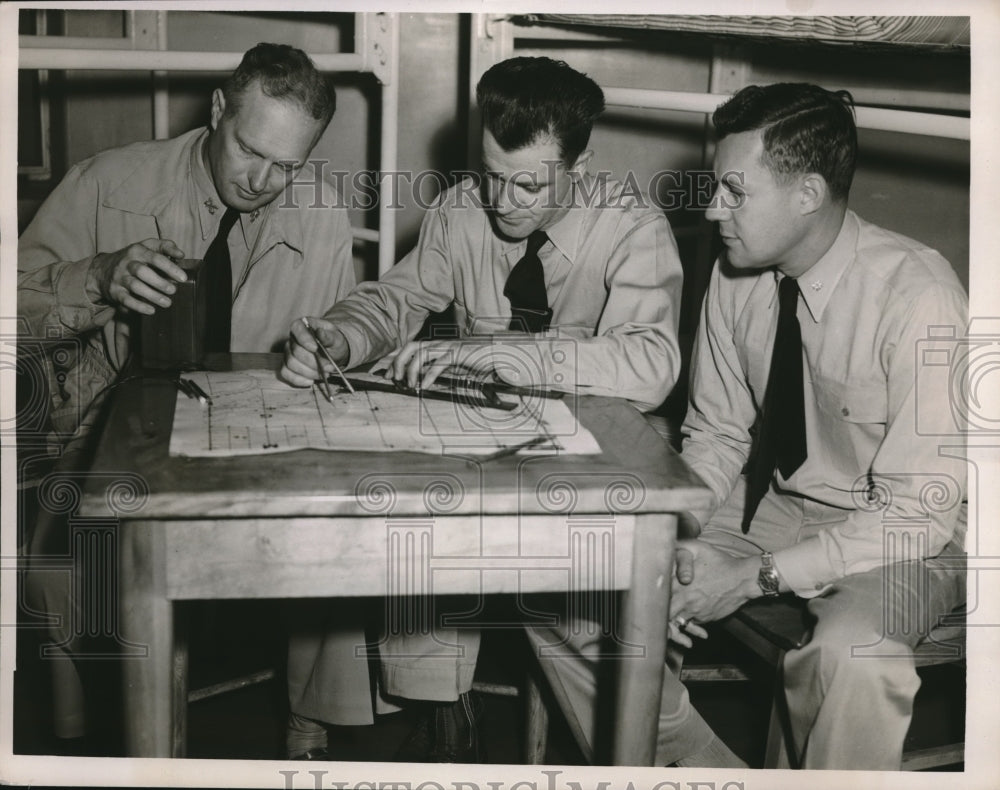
447 732
305 739
316 753
420 742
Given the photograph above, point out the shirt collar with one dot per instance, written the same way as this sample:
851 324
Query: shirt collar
565 234
818 282
209 204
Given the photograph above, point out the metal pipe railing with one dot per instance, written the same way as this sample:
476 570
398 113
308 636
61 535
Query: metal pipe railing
364 234
34 57
909 122
867 117
161 93
389 154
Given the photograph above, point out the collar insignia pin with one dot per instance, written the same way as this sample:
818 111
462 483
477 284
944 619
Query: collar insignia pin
816 286
210 205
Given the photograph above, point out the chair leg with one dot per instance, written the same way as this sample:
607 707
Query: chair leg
536 730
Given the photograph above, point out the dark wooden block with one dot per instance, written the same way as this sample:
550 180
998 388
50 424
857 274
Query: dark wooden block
783 621
175 337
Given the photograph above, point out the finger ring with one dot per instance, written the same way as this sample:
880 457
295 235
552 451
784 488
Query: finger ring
681 622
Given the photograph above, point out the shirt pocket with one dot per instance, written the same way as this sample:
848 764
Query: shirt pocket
852 419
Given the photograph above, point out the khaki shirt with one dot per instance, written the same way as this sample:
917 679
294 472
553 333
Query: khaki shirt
612 276
872 312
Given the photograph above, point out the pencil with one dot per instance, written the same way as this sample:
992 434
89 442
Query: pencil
182 385
199 393
514 448
326 354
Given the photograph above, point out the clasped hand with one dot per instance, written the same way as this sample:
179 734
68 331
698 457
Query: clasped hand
139 277
708 584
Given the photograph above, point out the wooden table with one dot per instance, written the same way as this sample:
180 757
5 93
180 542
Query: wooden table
314 523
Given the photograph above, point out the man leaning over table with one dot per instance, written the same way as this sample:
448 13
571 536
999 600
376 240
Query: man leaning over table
104 247
602 274
814 501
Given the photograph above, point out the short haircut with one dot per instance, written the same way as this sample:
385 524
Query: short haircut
524 99
806 129
283 72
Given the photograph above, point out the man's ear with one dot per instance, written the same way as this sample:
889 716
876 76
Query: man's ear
218 107
579 167
813 192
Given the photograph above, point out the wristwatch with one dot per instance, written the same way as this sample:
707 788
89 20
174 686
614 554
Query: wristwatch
767 576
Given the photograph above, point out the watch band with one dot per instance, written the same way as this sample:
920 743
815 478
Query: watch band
767 578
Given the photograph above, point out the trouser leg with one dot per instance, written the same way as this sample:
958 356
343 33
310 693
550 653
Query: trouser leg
328 671
328 677
49 595
569 656
423 660
850 690
420 658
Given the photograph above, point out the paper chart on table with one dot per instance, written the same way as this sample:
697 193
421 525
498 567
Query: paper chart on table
252 412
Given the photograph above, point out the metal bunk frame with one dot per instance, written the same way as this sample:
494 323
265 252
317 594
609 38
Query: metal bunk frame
376 51
493 37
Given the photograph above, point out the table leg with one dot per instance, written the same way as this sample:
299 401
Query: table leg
179 682
644 622
146 619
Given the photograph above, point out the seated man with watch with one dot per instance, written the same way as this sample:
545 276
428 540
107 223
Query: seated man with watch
819 436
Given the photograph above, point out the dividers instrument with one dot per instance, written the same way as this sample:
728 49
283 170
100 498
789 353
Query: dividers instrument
321 349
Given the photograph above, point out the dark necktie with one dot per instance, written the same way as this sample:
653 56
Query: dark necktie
525 287
781 439
218 272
